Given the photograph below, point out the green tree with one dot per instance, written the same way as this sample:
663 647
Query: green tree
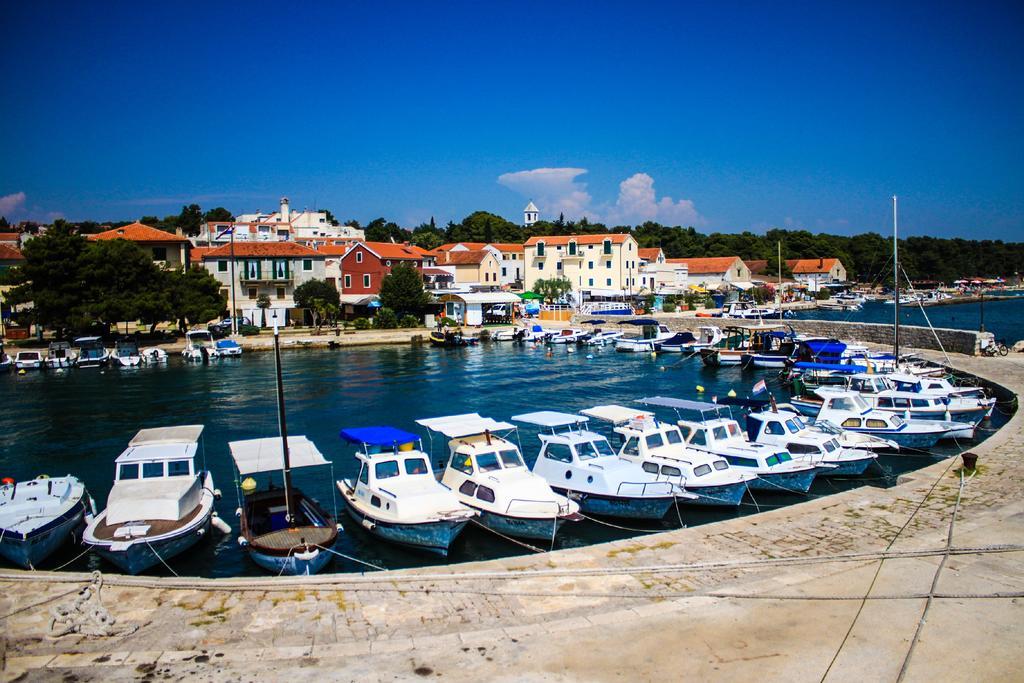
552 289
381 230
385 319
119 275
190 219
330 217
218 214
195 296
402 290
320 298
51 278
3 222
428 236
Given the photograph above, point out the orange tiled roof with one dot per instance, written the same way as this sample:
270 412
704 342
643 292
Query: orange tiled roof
466 258
616 238
256 249
10 237
196 254
389 250
811 265
138 232
649 253
333 249
472 246
757 266
9 253
705 266
508 248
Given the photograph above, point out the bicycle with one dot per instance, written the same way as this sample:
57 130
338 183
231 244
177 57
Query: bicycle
995 348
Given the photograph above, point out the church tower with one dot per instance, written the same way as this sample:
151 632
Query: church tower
530 214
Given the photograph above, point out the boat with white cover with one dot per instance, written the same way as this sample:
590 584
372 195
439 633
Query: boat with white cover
569 335
396 497
957 397
658 447
583 466
38 516
126 354
153 355
228 348
60 355
487 473
199 346
161 504
652 334
28 360
91 353
787 429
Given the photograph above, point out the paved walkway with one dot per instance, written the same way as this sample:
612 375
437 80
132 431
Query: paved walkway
780 595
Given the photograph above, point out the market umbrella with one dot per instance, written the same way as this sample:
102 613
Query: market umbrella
529 296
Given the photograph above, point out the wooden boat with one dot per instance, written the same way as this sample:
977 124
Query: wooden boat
283 530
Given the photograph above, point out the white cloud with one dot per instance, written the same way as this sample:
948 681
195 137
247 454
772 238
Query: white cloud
12 204
638 202
553 190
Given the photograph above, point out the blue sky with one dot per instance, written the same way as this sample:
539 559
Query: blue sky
723 116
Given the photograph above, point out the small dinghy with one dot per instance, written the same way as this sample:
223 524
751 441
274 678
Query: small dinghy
38 516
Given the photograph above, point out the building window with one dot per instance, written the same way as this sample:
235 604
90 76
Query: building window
280 292
253 292
252 270
222 266
590 265
590 282
348 281
159 253
388 263
359 257
540 265
366 280
572 248
307 264
738 272
558 265
607 246
503 272
607 264
540 248
609 281
224 293
280 269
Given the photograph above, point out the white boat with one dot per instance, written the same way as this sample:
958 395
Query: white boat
746 310
524 333
957 397
199 346
653 333
742 341
60 355
126 354
907 397
582 465
787 429
599 337
228 348
487 473
28 360
161 504
153 355
91 353
38 516
660 449
848 410
395 495
569 335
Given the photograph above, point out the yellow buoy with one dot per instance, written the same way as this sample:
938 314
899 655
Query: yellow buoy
654 354
732 393
248 485
21 372
700 389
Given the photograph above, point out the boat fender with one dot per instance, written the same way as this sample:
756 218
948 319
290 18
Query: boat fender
242 542
700 389
43 476
238 512
6 481
307 556
339 527
200 531
732 393
219 524
217 494
368 524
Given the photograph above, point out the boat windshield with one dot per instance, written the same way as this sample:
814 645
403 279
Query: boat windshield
416 466
594 449
510 458
831 445
896 420
718 433
721 465
734 429
655 441
673 436
386 469
793 425
488 462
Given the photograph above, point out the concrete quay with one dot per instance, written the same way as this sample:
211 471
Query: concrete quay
833 589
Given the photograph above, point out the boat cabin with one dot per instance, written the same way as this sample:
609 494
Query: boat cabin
850 410
724 437
787 429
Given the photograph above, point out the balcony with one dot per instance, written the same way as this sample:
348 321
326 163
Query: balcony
266 279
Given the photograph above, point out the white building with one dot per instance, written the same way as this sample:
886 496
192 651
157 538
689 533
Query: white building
282 225
530 214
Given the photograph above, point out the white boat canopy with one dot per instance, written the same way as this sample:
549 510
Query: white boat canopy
616 414
165 435
680 403
742 285
454 426
550 418
266 455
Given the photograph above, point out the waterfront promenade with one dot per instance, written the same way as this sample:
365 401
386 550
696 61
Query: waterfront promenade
780 595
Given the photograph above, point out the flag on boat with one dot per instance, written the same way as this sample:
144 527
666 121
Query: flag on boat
759 387
225 231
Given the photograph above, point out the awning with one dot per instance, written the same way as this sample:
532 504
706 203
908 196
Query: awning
550 418
378 436
266 455
483 298
742 285
155 435
454 426
615 414
358 299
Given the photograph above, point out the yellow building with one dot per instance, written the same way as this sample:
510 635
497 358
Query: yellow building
475 267
598 265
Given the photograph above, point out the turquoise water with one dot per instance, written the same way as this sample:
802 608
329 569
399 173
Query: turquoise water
1004 318
78 421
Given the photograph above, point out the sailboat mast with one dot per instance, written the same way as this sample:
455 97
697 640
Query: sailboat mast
896 282
282 424
780 279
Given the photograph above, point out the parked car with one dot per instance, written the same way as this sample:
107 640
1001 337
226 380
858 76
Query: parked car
223 328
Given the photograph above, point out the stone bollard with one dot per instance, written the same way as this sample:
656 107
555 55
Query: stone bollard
970 460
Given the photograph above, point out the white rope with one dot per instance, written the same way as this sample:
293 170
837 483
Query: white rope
507 538
354 559
160 558
624 528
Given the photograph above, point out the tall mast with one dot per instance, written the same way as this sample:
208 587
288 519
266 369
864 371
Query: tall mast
780 279
896 282
283 427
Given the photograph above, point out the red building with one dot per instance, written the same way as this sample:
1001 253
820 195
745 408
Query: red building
365 264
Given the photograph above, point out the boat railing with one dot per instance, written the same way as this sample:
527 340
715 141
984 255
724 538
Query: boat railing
523 505
656 486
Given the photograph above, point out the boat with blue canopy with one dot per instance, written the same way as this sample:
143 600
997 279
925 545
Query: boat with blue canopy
395 495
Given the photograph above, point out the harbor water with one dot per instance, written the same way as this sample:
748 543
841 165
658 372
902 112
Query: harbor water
77 421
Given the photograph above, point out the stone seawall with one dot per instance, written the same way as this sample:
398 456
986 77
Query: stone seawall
953 341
